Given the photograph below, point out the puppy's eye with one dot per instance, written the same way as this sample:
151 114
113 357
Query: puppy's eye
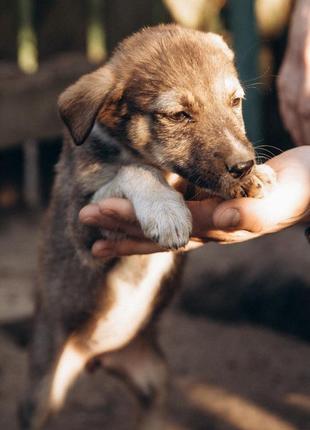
235 101
180 116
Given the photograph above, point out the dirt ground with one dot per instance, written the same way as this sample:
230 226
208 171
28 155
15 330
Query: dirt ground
226 376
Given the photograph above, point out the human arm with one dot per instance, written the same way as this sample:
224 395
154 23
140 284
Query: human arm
294 77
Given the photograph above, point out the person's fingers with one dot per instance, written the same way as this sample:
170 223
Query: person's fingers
90 214
121 208
202 212
240 215
112 214
255 216
119 248
113 207
286 203
118 215
130 246
239 219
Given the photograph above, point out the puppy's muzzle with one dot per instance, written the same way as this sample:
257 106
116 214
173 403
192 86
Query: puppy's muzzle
239 170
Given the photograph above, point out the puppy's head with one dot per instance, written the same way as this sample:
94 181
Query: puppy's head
173 96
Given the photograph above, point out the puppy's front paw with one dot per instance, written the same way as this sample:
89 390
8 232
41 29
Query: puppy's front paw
166 220
258 184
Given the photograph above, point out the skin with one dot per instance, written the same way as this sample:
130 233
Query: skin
230 221
294 78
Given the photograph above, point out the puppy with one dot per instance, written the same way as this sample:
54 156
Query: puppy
168 102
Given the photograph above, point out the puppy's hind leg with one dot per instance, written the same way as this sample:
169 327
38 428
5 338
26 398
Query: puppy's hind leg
54 365
44 345
142 366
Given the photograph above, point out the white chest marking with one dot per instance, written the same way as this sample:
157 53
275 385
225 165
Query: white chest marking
131 304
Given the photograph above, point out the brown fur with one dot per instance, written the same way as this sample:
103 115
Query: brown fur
163 105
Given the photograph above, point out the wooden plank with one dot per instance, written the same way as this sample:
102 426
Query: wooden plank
31 174
28 103
18 242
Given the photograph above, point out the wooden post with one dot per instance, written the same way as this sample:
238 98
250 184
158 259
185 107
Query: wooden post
96 50
27 54
31 174
242 23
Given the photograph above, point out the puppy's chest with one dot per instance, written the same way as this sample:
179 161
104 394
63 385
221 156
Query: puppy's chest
133 287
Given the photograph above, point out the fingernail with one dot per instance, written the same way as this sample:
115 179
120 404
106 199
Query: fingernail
103 252
228 218
88 220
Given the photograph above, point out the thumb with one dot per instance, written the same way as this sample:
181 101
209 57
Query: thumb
240 214
286 204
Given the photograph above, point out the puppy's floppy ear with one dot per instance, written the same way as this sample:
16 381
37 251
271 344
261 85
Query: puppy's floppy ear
79 104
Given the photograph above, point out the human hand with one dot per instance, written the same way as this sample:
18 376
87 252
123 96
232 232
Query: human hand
230 221
294 78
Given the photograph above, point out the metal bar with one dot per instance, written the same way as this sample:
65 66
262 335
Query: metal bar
31 174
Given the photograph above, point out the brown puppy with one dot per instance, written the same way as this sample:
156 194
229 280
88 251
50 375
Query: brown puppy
168 101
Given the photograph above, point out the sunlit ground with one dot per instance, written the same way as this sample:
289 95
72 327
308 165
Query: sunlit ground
225 376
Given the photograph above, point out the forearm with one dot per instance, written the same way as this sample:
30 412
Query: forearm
300 21
294 76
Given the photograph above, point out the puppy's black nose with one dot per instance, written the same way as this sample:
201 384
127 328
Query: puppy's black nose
241 169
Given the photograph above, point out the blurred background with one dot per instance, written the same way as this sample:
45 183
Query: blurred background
237 335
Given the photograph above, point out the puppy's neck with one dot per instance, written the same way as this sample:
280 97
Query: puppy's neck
99 134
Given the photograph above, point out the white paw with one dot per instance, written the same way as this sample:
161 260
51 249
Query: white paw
165 219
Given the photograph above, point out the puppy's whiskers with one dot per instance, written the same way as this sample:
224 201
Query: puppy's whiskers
266 152
271 147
